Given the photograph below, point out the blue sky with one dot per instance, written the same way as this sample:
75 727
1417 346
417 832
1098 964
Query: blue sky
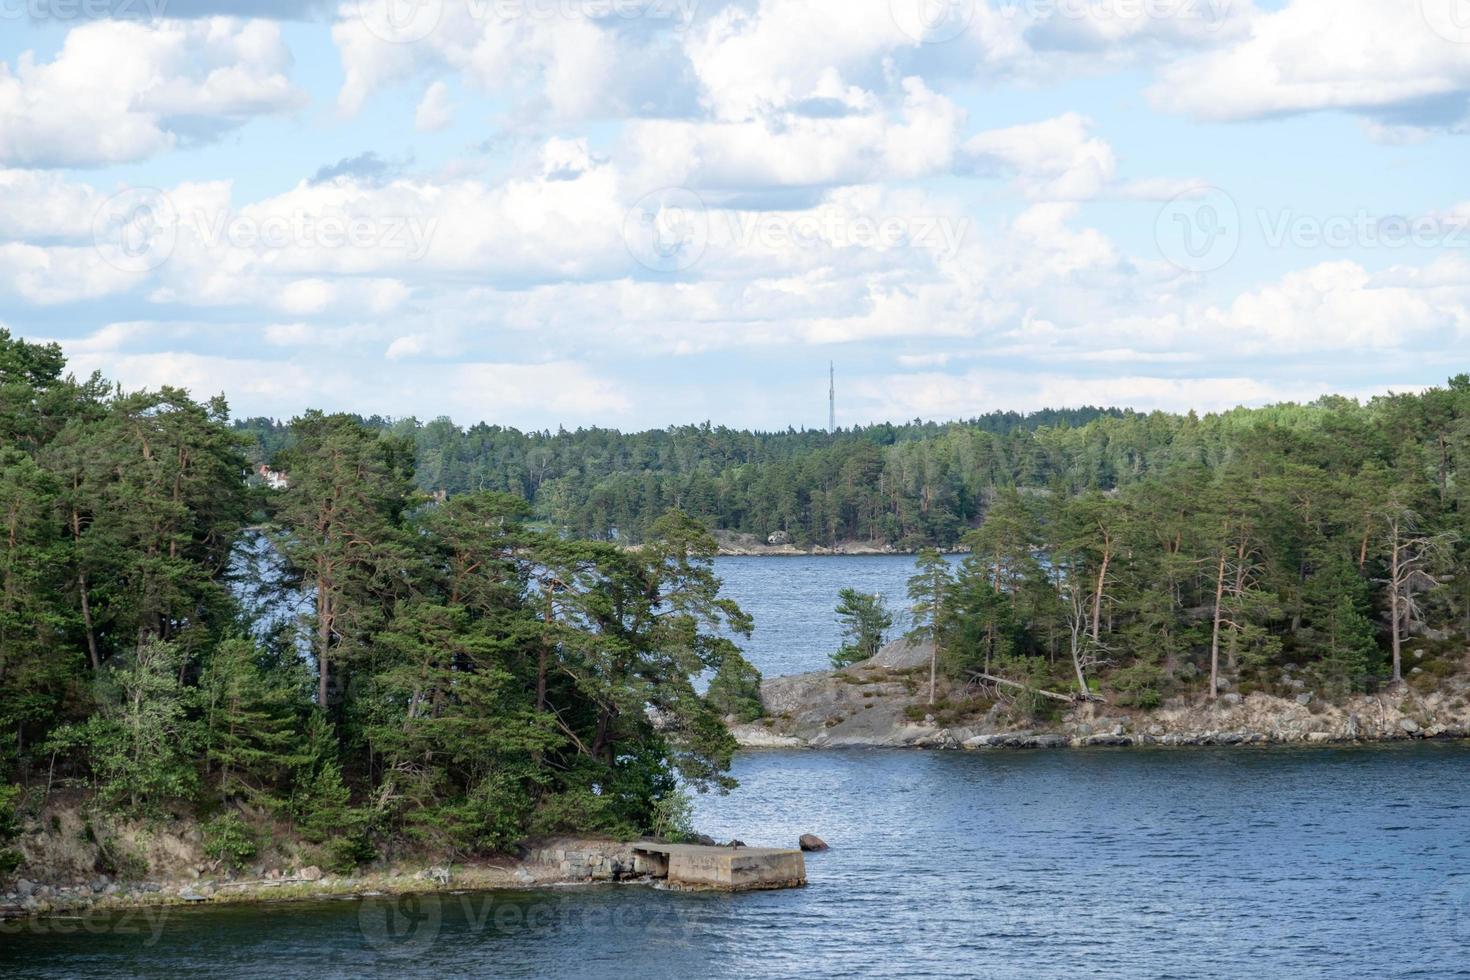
644 212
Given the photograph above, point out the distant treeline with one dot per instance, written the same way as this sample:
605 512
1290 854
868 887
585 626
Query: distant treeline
909 484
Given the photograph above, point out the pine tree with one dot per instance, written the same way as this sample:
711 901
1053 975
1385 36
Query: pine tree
250 717
865 622
929 591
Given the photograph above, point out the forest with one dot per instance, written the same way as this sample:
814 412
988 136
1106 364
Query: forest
439 637
906 485
358 664
1326 544
914 485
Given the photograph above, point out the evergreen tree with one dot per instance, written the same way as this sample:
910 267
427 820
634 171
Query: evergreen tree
929 591
249 719
865 621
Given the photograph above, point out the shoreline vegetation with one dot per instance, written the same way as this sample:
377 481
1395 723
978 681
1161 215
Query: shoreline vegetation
192 880
881 703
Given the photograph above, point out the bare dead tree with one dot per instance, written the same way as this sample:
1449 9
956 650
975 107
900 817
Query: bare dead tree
1413 557
1085 649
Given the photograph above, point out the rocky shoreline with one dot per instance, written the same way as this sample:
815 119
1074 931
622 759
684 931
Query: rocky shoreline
732 544
550 862
872 705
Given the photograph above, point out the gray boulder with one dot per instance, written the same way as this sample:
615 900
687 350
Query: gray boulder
900 655
811 842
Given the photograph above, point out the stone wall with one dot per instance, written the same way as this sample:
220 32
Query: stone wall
575 859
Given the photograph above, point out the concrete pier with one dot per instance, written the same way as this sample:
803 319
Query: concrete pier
720 868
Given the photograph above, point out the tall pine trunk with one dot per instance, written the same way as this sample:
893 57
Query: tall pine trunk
83 590
323 637
1395 616
1215 635
1097 598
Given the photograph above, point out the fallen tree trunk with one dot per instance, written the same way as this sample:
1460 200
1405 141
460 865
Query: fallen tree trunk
1064 698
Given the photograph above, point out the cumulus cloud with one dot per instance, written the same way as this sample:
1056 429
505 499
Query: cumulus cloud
821 181
1058 159
915 136
547 391
551 62
1380 59
180 9
121 91
43 207
1342 306
47 276
435 111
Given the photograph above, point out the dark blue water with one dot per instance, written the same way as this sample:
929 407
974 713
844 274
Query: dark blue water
1210 863
794 601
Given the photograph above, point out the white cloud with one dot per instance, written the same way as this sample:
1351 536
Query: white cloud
547 392
1056 160
435 111
778 55
303 334
866 142
1378 58
122 90
946 396
269 385
38 205
61 274
560 389
1341 306
550 62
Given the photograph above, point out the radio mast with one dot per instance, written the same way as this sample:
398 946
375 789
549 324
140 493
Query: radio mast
831 398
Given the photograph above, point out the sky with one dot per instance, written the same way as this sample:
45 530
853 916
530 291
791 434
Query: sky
637 213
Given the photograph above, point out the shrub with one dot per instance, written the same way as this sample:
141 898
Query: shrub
10 858
1139 684
229 841
1441 668
1424 683
736 690
345 854
673 816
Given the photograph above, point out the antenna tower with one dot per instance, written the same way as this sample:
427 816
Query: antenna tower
831 398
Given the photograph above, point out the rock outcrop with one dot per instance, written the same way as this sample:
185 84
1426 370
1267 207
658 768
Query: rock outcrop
880 703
